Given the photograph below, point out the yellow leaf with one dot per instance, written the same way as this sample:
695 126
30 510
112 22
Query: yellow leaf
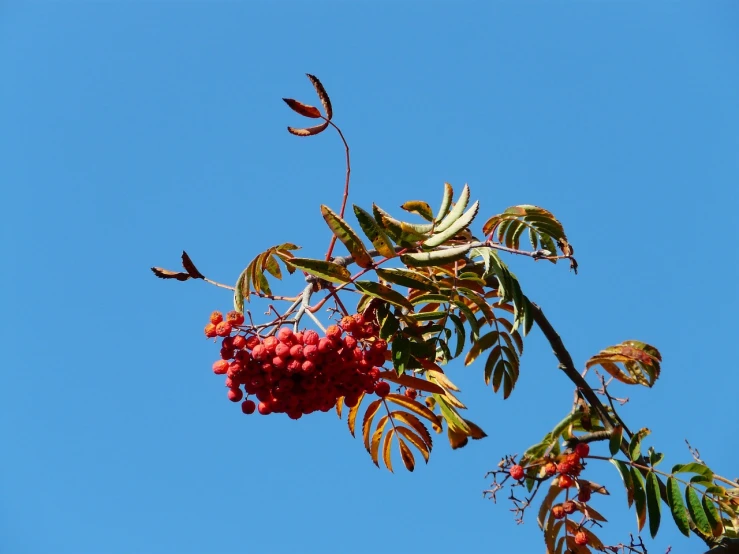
406 455
375 448
351 417
414 406
416 441
413 421
386 449
367 421
412 382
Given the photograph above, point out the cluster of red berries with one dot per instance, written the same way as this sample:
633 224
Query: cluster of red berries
568 468
299 373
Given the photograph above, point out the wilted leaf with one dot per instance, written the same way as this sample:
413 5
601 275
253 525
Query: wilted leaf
167 274
308 131
420 208
322 95
302 109
192 271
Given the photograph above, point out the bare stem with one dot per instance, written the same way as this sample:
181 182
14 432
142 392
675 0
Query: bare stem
346 185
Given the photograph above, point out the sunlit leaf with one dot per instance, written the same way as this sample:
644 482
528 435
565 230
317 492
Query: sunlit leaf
697 513
386 449
303 109
351 417
374 233
436 257
322 95
383 292
406 278
635 444
329 271
347 236
420 208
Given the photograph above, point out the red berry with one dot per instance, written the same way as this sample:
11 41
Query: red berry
326 345
270 343
259 353
282 350
223 329
411 393
516 472
220 367
350 343
550 469
264 408
252 341
582 450
558 512
310 352
564 468
216 317
248 407
348 324
308 367
210 330
569 507
359 319
333 331
285 334
382 389
297 352
239 342
235 395
565 481
235 318
374 373
351 401
581 538
311 337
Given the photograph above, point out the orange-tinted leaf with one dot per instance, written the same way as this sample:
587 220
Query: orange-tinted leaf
420 208
377 435
167 274
546 504
192 271
322 95
367 421
413 405
412 382
386 449
457 439
405 454
351 417
339 406
412 421
308 131
302 109
475 432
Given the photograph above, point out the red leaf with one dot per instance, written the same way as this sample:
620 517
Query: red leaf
302 109
192 271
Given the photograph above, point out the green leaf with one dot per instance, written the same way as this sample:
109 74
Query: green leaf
436 257
460 332
456 212
406 278
697 514
635 444
346 235
714 519
614 443
328 271
677 507
640 499
384 293
453 419
446 201
441 236
653 503
483 343
388 326
375 233
694 467
241 291
625 471
401 353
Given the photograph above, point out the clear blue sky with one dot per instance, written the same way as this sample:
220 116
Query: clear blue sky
133 130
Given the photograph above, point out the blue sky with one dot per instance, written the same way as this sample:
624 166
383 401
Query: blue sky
132 131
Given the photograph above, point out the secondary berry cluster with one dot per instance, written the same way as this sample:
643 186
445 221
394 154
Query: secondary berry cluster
299 372
567 469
